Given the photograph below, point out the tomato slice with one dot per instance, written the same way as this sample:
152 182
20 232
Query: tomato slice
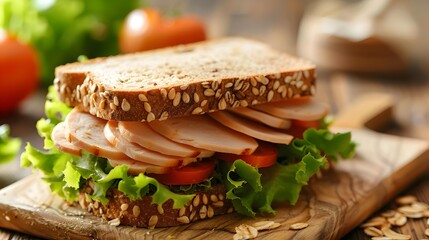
264 156
193 173
307 124
298 127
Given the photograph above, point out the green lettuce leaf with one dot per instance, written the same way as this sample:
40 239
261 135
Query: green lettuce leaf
255 190
9 147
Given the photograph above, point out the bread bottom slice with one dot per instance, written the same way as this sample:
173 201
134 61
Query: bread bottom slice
141 213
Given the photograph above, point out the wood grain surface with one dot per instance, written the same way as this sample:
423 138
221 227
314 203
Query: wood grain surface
332 205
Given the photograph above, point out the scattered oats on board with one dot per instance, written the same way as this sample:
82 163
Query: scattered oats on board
298 226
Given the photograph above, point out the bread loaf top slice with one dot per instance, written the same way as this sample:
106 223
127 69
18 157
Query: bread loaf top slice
184 80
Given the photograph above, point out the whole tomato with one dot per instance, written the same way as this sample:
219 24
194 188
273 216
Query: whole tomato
19 72
145 29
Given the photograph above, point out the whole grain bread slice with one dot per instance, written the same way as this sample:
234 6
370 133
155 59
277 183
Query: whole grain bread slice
143 213
184 80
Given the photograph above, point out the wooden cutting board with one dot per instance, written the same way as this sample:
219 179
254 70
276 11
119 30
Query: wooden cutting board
332 205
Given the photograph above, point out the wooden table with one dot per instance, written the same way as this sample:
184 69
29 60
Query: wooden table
269 23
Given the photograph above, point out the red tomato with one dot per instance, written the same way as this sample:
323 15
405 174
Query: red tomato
18 72
193 173
264 156
298 127
145 29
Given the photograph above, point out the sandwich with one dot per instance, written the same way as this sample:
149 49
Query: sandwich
175 135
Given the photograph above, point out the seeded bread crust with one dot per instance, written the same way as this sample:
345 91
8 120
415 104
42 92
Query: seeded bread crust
184 80
141 213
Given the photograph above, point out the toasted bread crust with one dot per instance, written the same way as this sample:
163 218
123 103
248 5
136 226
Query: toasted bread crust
142 213
126 97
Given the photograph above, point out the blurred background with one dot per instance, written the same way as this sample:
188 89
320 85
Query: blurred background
359 47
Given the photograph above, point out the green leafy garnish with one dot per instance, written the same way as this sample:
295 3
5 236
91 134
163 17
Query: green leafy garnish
255 190
9 147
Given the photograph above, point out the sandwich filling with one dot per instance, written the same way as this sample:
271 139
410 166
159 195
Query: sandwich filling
262 154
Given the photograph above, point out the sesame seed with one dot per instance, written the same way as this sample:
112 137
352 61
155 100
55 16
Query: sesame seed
177 99
246 86
255 91
222 104
209 92
196 97
124 206
284 92
289 93
298 226
102 104
183 219
306 73
240 95
192 216
210 212
238 84
197 110
153 220
218 93
263 80
191 207
164 115
196 201
203 103
213 198
125 105
262 90
299 76
142 97
203 212
150 117
205 199
244 103
276 85
186 98
253 82
288 79
228 85
116 101
221 197
182 211
236 103
172 93
255 101
277 75
160 209
270 95
136 211
114 222
299 84
147 107
215 85
112 106
163 93
304 87
218 204
184 87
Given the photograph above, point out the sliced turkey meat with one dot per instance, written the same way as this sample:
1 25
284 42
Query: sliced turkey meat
205 133
262 117
143 135
137 167
136 151
250 128
306 109
58 136
85 131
